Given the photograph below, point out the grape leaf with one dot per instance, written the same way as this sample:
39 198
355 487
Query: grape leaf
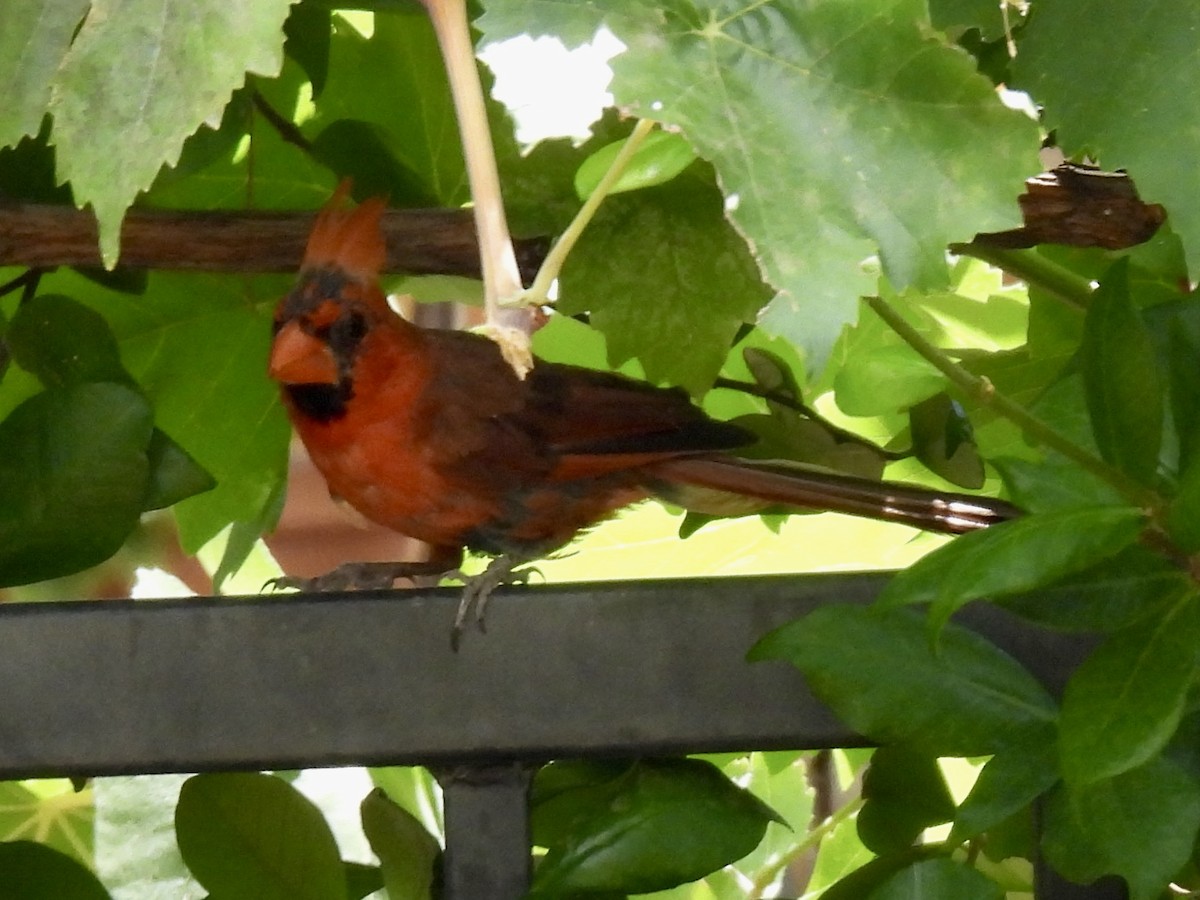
398 68
140 77
985 15
834 128
685 278
33 41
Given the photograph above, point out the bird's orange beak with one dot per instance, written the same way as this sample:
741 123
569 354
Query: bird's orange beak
299 358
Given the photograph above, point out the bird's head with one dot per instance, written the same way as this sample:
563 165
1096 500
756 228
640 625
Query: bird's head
320 324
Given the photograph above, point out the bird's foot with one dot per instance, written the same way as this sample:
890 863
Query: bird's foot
477 591
361 577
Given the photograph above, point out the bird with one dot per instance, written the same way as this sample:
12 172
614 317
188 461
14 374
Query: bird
431 433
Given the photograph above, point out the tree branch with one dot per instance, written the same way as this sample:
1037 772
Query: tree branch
419 241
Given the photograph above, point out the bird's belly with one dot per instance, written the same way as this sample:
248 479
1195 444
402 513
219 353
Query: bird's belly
395 486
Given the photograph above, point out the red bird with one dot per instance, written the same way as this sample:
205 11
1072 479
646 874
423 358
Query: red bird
431 433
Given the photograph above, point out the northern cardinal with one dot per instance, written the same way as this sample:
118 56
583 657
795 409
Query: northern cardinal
430 432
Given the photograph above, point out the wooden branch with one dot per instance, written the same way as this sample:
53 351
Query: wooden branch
420 241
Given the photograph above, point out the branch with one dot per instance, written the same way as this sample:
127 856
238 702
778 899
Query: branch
510 327
420 241
982 390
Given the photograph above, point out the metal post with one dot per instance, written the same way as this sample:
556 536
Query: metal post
487 831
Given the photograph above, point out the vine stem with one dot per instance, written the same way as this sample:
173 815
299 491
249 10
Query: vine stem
509 326
984 391
768 874
539 291
1035 269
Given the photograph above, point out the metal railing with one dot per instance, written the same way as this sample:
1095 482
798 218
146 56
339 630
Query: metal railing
368 678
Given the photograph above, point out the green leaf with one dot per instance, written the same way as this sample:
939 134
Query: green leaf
34 872
33 41
136 851
982 14
1121 376
197 345
1012 557
905 793
59 819
1117 92
1133 585
869 663
361 151
1125 702
174 475
885 380
685 278
1010 781
1183 359
362 880
398 67
863 880
246 835
1053 484
309 29
660 157
63 342
665 823
74 475
943 440
1140 825
407 851
834 128
27 171
937 879
115 125
215 170
572 23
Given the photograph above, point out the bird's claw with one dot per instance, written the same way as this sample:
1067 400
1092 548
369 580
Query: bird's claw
477 591
357 577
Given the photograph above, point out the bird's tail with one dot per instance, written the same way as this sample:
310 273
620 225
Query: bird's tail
720 484
348 239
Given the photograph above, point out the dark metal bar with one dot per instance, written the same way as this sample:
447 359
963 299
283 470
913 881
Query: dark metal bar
487 831
369 678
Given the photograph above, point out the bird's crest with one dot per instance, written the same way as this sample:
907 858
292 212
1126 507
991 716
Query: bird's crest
349 239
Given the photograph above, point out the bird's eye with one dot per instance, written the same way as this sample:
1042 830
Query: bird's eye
347 332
